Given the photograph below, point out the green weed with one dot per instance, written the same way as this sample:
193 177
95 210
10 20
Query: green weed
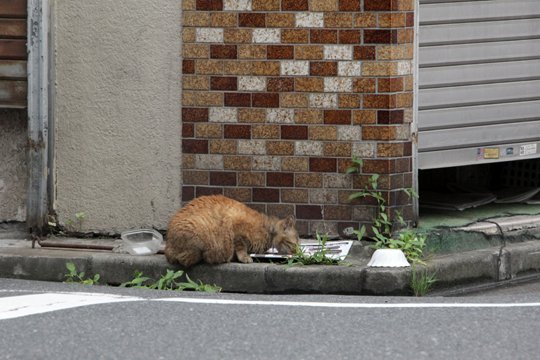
421 282
73 276
169 281
317 258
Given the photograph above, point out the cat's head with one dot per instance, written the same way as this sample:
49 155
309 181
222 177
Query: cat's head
284 235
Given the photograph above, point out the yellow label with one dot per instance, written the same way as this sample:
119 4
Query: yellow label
492 153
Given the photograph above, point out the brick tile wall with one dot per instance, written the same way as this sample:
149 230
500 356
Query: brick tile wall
278 95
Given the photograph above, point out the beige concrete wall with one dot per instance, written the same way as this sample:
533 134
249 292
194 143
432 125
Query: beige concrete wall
117 112
13 169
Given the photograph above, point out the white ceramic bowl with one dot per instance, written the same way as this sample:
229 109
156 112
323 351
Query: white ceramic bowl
388 258
142 242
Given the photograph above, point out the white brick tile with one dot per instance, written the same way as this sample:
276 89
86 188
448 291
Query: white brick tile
251 83
311 20
251 147
323 100
218 114
209 35
235 5
298 68
363 149
280 116
337 84
349 133
266 36
405 67
308 148
349 68
211 162
338 52
266 163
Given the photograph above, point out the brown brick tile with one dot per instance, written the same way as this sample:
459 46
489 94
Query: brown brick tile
265 100
188 193
280 179
294 5
404 36
379 132
233 162
238 194
280 20
294 100
310 84
392 20
338 20
294 36
378 5
188 66
237 36
198 98
195 177
237 131
229 83
223 146
379 166
209 5
308 180
188 35
323 36
294 196
280 52
352 101
208 131
188 161
280 210
195 51
312 212
205 191
189 5
322 164
266 68
409 22
349 5
365 20
196 18
390 116
266 5
350 37
337 117
265 195
328 133
194 114
209 67
265 131
337 212
195 83
389 149
294 132
364 53
221 19
279 148
364 85
188 130
251 115
324 5
390 84
337 149
195 146
294 163
309 52
323 68
308 116
238 99
223 178
223 51
251 179
251 19
251 51
280 84
380 36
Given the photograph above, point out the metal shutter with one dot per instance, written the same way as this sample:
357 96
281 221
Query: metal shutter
479 82
13 54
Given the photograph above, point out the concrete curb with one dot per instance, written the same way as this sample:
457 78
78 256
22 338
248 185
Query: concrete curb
491 264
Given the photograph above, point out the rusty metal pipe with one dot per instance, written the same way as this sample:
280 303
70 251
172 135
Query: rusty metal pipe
79 246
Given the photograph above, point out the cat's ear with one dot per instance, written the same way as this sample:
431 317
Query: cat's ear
289 222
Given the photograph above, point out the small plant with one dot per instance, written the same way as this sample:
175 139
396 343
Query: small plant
73 276
169 281
79 220
317 258
383 228
421 282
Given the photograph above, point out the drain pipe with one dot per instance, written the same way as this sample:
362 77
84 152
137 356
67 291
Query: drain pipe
503 263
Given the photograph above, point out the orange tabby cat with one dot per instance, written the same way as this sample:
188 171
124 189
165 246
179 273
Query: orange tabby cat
217 229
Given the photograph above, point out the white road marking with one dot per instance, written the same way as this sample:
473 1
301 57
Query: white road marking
348 305
17 306
23 305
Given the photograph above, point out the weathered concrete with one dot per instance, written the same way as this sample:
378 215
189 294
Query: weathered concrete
13 169
117 112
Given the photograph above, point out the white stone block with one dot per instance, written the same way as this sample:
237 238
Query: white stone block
266 36
237 5
310 20
308 148
295 68
219 114
251 83
349 68
280 116
338 52
323 100
209 35
337 84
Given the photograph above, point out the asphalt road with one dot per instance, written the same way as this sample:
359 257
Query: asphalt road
149 324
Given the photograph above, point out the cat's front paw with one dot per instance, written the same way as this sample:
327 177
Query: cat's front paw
245 258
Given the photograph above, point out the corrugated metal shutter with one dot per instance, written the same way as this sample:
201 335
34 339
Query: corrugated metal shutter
479 81
13 54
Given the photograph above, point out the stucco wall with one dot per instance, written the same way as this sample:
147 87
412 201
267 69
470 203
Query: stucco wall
117 112
13 170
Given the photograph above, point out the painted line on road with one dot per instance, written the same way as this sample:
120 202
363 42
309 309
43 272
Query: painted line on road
348 305
24 305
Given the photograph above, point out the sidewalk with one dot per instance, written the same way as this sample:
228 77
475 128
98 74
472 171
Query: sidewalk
492 264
